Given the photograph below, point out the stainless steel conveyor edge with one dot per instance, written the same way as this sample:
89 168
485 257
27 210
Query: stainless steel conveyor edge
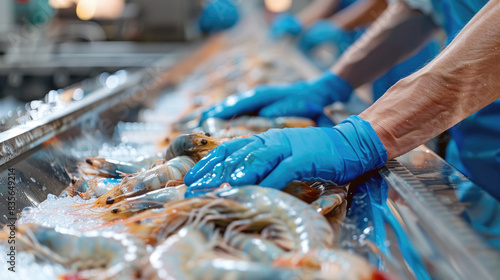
466 254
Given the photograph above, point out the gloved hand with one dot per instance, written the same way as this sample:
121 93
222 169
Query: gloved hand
218 15
324 31
277 157
285 24
301 99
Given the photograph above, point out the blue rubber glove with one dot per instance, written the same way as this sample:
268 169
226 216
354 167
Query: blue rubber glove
218 15
277 157
35 11
301 99
324 31
285 24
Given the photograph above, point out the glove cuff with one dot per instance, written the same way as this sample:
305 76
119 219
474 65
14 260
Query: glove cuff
364 140
332 88
363 150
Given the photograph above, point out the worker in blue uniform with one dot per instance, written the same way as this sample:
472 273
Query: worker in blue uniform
460 81
326 28
341 30
319 22
474 148
217 15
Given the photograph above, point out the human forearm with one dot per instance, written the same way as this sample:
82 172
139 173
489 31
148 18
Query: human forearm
461 80
360 13
318 9
394 36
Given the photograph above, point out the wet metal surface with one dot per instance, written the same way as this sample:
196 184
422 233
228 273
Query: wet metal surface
25 137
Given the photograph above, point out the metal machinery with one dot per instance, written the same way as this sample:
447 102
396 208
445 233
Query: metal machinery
40 57
414 217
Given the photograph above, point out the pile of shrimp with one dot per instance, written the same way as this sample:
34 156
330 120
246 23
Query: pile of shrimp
240 68
246 232
231 233
148 230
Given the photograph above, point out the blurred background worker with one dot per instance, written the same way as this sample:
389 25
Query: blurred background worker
459 82
337 23
326 28
52 44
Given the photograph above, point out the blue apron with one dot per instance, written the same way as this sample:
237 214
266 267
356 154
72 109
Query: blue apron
345 3
475 148
403 69
475 145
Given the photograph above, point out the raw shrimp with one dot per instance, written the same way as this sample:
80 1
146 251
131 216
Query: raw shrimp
195 252
256 248
222 128
90 188
330 264
192 254
148 180
195 146
254 124
76 186
329 201
323 196
152 199
306 227
302 191
157 224
104 167
109 254
98 187
263 124
282 218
